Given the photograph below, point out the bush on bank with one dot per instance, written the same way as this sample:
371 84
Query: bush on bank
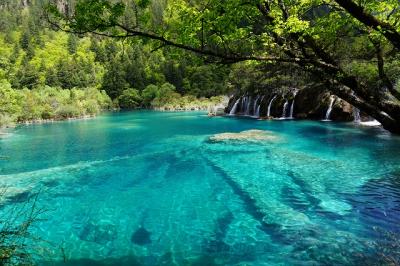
46 102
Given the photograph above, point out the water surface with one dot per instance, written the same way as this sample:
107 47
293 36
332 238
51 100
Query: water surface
148 188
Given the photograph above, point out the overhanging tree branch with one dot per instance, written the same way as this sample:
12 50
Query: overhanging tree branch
369 20
224 57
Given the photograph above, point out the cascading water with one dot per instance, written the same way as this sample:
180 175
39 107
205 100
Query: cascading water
284 109
255 105
257 113
234 108
357 117
242 104
328 112
269 106
292 106
248 101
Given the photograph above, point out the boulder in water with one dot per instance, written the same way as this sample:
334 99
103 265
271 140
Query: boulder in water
253 135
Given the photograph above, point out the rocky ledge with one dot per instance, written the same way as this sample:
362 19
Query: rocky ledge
294 103
252 135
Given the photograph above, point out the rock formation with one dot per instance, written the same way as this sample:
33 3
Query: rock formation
310 103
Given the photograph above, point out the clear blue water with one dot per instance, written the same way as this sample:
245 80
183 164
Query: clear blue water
149 188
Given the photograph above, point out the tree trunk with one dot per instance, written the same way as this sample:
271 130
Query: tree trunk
388 122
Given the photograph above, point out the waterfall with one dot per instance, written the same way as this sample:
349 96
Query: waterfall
284 109
269 106
357 117
248 101
242 103
328 112
292 106
255 105
234 108
257 113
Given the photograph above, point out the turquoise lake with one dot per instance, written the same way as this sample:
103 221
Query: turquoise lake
150 188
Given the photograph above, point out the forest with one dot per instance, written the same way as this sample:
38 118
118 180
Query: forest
47 74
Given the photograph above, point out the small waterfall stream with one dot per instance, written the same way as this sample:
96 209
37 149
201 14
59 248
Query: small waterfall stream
357 117
257 113
269 106
255 105
284 109
248 102
234 108
292 106
328 112
242 104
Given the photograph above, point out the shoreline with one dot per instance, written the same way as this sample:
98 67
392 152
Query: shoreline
43 121
53 120
87 117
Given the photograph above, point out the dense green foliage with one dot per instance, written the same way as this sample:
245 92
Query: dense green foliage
39 65
164 97
48 103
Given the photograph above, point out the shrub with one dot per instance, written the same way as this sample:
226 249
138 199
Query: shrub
130 99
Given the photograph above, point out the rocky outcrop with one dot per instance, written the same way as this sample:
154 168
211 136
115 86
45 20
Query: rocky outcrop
303 103
252 135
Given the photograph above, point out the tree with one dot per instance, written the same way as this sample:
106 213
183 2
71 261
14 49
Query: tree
148 94
72 43
26 43
96 47
174 74
165 94
27 76
134 67
129 99
114 82
9 104
25 40
52 78
208 80
307 33
67 74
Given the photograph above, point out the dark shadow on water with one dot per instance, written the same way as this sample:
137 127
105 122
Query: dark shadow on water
216 244
141 237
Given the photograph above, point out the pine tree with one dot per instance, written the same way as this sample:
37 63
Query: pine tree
72 44
27 76
114 81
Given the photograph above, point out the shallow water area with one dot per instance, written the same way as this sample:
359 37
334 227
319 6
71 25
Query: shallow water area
150 188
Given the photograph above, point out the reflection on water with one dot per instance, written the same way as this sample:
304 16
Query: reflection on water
149 188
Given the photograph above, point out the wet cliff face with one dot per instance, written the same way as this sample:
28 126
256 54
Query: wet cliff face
307 103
